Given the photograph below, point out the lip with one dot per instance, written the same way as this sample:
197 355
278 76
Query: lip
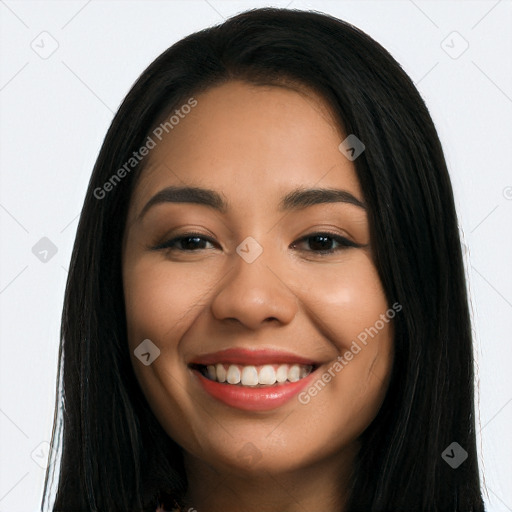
247 357
253 399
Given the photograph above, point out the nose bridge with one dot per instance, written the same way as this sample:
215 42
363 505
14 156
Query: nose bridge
253 291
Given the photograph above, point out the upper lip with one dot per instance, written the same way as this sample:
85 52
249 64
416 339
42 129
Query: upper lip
246 357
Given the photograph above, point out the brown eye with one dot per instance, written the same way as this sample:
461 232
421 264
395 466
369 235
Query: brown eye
321 243
188 243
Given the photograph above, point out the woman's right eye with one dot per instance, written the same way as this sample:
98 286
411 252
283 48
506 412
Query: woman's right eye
189 242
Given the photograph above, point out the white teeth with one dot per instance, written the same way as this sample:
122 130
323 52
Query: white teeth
294 373
221 373
267 375
211 372
249 376
282 373
233 375
254 375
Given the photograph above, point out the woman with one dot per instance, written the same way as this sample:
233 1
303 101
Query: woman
266 306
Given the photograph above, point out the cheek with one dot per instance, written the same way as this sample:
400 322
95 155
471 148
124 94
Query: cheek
160 304
351 310
344 299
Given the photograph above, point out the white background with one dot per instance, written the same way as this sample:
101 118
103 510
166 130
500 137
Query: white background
55 112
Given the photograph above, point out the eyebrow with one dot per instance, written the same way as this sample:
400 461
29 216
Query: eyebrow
297 199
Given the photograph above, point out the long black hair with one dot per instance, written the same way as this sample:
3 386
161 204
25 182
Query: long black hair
115 454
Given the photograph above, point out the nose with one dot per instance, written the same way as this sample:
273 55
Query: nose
253 294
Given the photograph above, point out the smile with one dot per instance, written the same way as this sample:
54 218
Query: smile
270 382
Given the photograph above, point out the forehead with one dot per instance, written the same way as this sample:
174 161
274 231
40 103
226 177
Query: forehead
249 141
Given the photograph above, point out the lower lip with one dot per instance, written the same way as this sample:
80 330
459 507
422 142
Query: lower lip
253 399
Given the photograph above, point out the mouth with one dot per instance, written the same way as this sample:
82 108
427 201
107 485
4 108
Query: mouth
252 380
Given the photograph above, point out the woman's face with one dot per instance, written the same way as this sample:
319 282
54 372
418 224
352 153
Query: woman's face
259 291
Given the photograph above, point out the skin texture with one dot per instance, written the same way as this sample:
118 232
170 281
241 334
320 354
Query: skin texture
254 144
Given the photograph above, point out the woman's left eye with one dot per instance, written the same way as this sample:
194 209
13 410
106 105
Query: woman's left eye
320 243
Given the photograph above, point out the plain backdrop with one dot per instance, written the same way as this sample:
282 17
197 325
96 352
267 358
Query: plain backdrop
65 68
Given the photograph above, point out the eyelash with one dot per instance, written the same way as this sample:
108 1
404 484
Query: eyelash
344 242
